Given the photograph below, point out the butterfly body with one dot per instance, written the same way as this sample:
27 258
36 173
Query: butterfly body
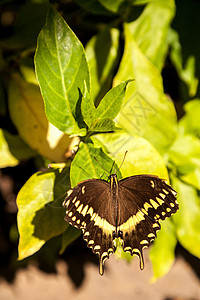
129 209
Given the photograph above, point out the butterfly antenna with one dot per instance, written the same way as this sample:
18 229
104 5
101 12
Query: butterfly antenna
122 161
85 171
101 165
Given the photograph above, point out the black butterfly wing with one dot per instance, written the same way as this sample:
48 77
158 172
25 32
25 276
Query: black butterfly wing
89 207
143 201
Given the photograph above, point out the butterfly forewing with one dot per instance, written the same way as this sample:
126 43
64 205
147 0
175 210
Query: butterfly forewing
129 208
89 208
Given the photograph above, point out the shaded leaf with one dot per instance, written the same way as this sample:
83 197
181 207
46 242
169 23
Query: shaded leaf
70 235
113 6
102 56
7 159
27 113
186 72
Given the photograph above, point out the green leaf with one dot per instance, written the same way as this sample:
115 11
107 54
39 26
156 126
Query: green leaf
40 214
61 69
102 56
189 123
192 178
108 108
70 235
146 110
7 159
104 125
188 216
26 109
113 6
150 30
185 153
90 162
142 157
187 72
162 253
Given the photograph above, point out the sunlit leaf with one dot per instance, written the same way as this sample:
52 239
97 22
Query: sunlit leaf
108 108
61 70
188 216
185 153
190 123
40 214
147 111
151 28
141 158
90 162
162 253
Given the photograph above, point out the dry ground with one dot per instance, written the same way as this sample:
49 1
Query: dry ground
120 281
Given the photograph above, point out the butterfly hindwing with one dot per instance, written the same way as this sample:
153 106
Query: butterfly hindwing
143 201
89 209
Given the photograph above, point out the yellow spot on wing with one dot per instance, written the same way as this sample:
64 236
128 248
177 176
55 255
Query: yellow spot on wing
147 206
74 200
69 193
152 183
83 189
84 211
160 201
162 195
80 208
154 204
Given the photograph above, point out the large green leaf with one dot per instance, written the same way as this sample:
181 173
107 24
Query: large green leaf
90 162
27 113
102 56
147 111
162 253
150 30
188 216
61 69
40 214
141 158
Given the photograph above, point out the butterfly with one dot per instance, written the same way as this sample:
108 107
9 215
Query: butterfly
129 209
